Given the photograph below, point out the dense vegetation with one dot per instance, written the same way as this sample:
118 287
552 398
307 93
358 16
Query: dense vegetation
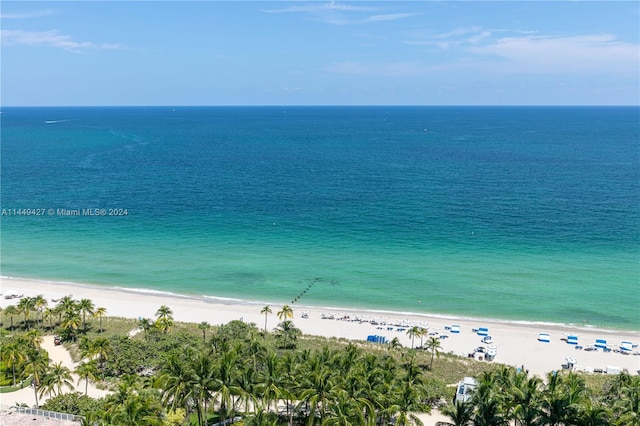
172 373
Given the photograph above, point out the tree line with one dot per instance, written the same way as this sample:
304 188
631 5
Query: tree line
176 374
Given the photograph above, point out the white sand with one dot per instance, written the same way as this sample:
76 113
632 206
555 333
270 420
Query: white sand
517 344
56 354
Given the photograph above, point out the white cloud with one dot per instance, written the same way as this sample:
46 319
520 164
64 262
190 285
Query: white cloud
457 33
450 39
586 55
27 15
320 7
551 54
531 52
388 17
51 39
341 14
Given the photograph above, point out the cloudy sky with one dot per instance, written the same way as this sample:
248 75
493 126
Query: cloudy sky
320 53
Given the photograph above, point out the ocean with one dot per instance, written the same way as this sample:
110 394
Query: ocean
512 213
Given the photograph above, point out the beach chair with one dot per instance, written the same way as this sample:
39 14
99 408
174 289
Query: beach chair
374 338
626 347
543 337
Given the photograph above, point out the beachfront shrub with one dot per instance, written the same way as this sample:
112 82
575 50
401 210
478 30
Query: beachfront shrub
287 334
138 355
332 380
73 403
128 356
5 375
175 417
233 331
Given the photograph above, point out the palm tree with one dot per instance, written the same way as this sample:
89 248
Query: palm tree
12 355
459 412
55 379
489 410
286 313
270 379
39 303
11 310
288 333
225 382
575 388
87 371
204 326
165 318
203 384
265 311
628 406
413 372
553 401
117 399
591 413
413 332
85 306
562 397
25 306
407 402
289 366
342 410
395 344
70 324
316 388
164 312
36 365
260 416
433 344
34 338
137 408
100 347
48 315
65 304
526 400
145 324
423 333
100 312
255 350
175 380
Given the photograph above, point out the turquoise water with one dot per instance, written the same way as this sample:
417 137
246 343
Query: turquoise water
513 213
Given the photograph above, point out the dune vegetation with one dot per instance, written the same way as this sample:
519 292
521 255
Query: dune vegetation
162 372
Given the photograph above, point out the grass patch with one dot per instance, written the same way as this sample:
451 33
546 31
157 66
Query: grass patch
17 387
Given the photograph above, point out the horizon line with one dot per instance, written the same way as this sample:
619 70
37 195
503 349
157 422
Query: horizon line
315 105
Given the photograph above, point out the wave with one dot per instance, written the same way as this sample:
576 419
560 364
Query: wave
56 121
374 313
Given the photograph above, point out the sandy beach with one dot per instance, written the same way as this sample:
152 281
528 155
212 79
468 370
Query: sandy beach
517 344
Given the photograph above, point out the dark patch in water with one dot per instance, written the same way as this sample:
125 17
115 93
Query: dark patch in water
243 278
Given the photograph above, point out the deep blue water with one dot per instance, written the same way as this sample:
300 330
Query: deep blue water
516 213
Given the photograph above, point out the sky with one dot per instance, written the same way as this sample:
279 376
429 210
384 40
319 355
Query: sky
120 53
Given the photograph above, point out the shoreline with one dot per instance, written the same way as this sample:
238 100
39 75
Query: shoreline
209 299
517 342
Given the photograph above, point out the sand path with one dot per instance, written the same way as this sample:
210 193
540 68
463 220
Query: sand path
56 354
